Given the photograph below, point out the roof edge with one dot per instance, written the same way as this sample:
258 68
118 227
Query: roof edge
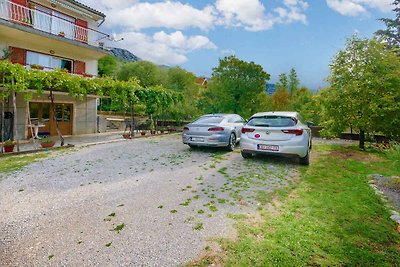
88 8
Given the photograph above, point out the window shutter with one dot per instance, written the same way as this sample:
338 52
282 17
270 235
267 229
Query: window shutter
18 55
79 67
81 33
20 2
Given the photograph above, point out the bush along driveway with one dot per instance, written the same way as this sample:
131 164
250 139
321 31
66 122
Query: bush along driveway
332 218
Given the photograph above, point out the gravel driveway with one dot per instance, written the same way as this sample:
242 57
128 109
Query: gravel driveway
142 202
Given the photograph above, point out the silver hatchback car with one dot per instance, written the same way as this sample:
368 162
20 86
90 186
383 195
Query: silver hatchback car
281 133
214 130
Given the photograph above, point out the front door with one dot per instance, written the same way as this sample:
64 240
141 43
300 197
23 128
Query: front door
42 113
64 119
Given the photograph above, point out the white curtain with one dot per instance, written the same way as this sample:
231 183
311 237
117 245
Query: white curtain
38 59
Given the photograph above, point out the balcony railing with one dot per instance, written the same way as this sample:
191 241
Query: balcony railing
49 23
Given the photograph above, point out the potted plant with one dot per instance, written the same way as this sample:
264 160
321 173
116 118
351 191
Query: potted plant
46 142
8 146
152 127
127 136
35 66
87 75
143 133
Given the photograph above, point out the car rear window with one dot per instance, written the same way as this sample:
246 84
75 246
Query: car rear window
272 121
209 119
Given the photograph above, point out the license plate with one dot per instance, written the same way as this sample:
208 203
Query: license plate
268 147
197 139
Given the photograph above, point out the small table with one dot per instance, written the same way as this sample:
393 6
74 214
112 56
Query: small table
35 134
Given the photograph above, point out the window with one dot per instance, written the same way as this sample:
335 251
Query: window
272 121
232 119
47 61
239 119
63 112
209 119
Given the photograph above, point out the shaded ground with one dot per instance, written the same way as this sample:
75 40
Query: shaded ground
144 202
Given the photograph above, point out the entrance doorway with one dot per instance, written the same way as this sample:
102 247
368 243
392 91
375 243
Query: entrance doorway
42 113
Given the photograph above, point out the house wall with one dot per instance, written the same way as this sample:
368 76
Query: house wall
84 112
25 37
61 50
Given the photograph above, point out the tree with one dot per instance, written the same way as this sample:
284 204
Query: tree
283 82
293 81
183 81
364 89
235 86
392 32
179 79
280 100
107 66
146 72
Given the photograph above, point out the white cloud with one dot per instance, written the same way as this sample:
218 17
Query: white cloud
129 18
163 48
167 14
182 43
359 7
106 5
251 14
134 15
293 12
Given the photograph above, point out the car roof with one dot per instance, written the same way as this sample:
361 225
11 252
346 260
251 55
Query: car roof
217 115
277 113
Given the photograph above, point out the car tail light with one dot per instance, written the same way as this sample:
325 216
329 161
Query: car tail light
247 130
186 128
216 129
294 131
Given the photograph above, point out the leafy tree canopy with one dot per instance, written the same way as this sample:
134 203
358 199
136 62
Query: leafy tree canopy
364 89
107 66
392 32
283 83
293 81
235 86
146 72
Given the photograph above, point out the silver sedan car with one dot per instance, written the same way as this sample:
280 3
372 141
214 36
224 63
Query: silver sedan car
281 133
214 130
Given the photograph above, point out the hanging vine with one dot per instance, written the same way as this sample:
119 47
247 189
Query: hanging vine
14 78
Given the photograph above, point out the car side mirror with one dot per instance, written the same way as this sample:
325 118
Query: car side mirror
310 123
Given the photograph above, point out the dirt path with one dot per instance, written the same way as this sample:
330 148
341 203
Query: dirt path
165 199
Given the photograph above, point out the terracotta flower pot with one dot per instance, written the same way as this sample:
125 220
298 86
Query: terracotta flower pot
127 136
142 133
47 145
9 148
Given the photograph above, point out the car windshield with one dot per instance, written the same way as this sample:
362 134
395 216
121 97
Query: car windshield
209 119
272 121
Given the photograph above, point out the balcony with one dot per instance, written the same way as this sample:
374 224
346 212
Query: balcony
59 25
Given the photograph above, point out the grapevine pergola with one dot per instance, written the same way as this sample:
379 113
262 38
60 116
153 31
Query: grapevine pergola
14 78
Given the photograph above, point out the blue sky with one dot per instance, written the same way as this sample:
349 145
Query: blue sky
277 34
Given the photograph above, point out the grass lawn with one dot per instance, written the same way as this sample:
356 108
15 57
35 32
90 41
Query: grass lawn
16 162
332 217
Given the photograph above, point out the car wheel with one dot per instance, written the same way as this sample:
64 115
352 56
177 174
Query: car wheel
192 146
306 159
232 142
246 155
